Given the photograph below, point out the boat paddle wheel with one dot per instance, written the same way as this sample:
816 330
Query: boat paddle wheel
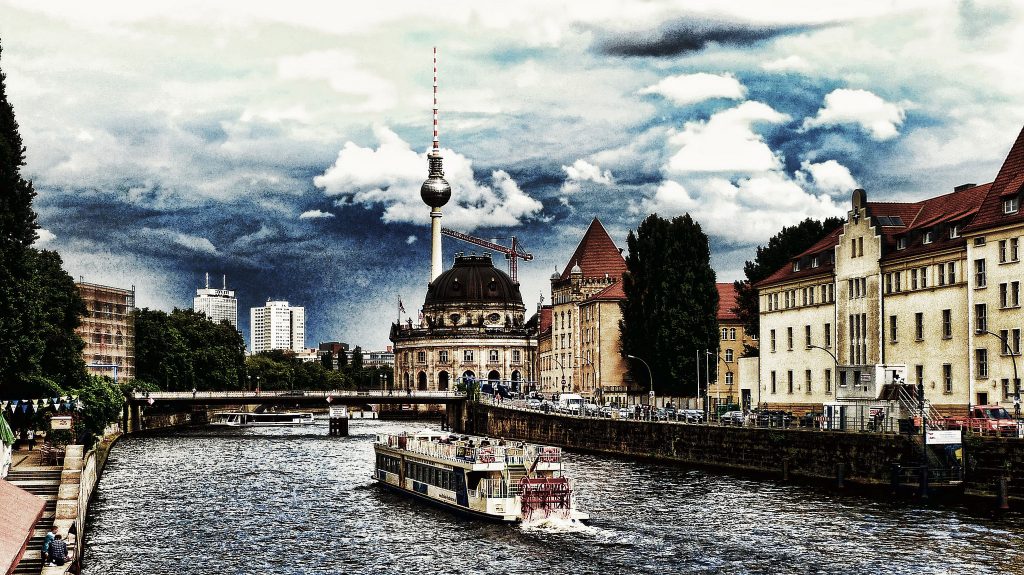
546 497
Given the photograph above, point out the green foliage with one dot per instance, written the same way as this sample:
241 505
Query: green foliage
357 358
278 371
327 360
781 248
102 401
183 350
670 310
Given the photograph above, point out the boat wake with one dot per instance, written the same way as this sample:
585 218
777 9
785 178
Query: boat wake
557 525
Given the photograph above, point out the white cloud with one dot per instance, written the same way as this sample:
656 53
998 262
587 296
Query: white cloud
315 214
45 237
410 240
792 63
880 119
829 177
342 72
686 89
726 142
194 243
391 175
584 171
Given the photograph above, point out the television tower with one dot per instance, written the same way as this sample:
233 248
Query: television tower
435 191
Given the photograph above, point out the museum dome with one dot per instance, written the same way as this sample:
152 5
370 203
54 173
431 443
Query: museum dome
473 280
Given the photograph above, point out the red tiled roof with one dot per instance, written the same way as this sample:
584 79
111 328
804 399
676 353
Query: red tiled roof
597 255
785 273
726 302
611 293
1008 181
18 515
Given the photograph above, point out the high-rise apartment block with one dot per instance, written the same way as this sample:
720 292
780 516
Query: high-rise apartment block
217 304
277 325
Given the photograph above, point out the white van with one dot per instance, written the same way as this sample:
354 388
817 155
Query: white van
570 402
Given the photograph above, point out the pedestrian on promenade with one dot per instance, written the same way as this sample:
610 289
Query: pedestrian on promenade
58 551
46 543
31 433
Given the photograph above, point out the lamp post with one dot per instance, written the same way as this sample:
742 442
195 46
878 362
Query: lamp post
832 355
650 376
1016 379
560 367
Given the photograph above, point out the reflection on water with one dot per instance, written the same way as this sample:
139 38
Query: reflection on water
293 500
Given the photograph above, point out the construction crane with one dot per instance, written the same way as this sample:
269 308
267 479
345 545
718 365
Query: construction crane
512 254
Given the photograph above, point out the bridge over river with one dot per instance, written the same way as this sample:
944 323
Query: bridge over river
139 400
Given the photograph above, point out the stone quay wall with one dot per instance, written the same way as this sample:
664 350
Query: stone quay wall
864 459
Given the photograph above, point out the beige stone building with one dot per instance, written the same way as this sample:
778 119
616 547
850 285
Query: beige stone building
729 386
581 354
900 291
473 327
108 330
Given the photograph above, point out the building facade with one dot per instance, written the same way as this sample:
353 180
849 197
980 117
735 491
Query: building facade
473 328
729 386
217 304
581 351
921 292
277 325
108 330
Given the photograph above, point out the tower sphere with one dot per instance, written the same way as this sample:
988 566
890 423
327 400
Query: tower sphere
435 190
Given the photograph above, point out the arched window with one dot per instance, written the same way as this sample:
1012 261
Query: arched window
405 379
516 378
494 376
442 381
468 375
421 384
732 334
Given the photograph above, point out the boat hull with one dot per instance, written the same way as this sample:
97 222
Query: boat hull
465 511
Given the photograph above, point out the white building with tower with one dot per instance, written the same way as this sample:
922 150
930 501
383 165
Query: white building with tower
217 304
277 325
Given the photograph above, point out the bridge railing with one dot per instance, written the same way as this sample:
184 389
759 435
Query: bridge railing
336 393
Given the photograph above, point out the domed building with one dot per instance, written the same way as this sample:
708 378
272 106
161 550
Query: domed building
473 326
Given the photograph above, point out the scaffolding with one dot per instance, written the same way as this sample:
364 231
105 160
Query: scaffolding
108 329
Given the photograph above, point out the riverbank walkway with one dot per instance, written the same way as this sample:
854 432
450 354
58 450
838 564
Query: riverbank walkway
40 477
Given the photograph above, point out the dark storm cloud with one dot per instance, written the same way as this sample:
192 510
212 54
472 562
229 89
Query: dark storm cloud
692 35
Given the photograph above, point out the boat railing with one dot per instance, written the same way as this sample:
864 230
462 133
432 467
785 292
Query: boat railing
455 451
546 454
491 488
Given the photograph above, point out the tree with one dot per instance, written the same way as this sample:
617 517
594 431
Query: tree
184 350
60 312
327 360
671 304
357 358
781 248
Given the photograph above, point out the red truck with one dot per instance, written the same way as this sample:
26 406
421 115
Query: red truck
985 419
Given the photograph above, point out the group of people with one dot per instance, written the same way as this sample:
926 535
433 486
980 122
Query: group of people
55 549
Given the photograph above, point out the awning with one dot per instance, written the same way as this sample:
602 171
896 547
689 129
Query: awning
6 435
19 512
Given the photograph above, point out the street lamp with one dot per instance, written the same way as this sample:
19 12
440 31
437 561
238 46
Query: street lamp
1016 379
562 368
650 376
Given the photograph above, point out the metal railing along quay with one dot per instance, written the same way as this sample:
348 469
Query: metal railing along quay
288 394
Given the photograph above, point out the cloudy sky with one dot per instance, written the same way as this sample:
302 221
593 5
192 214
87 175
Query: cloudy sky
283 144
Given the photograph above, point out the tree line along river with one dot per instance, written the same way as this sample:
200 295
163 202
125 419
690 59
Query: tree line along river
293 500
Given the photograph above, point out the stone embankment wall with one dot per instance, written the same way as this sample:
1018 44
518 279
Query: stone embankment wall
78 481
860 458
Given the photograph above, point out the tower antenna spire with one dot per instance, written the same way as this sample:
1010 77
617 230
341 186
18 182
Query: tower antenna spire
437 142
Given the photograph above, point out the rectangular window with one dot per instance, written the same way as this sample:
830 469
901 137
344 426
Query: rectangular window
442 356
789 338
924 278
1004 290
773 383
421 357
981 360
772 334
1011 205
951 273
913 279
927 239
828 335
892 329
941 271
467 356
1002 251
810 296
919 326
492 356
980 317
919 374
979 273
807 335
850 288
1014 294
516 356
860 247
888 283
842 379
789 381
807 380
947 378
954 231
828 381
1013 250
947 324
728 356
898 280
901 243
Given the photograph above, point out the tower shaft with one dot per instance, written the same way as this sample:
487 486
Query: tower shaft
435 243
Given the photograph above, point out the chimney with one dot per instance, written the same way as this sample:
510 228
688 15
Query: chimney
963 187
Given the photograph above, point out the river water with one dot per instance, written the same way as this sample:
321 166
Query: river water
293 500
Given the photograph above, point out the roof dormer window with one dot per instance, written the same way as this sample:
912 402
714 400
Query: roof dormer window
901 243
1011 205
928 238
954 231
796 266
814 262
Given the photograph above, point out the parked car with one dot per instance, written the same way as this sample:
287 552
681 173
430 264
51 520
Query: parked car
661 414
533 403
774 418
811 419
692 415
731 418
625 413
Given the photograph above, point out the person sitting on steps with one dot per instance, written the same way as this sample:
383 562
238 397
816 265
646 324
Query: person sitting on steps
58 551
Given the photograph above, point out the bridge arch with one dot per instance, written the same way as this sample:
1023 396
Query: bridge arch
442 381
421 383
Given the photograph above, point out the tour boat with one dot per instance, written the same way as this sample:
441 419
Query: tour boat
482 477
244 419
